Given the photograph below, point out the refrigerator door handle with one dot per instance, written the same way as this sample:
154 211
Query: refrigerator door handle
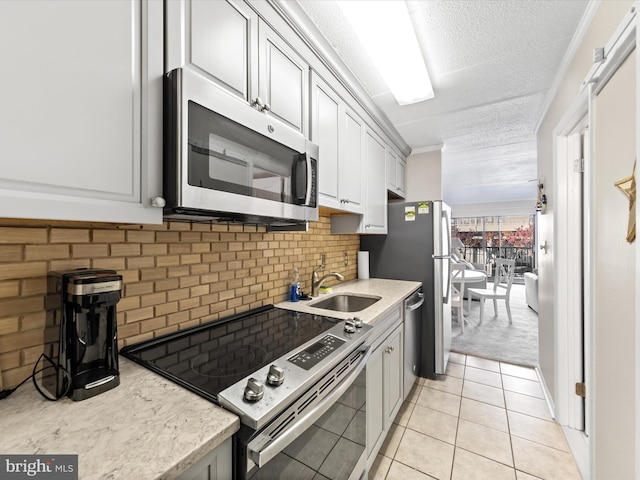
447 238
448 290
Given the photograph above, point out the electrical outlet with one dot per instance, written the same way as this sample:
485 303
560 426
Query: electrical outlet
346 259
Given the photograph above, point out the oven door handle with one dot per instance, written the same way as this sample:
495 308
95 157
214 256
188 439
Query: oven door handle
261 456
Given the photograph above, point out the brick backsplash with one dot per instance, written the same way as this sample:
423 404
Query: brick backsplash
176 275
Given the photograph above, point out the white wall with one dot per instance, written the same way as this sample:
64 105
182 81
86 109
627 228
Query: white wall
611 460
424 176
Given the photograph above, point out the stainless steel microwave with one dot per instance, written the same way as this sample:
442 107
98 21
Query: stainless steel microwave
226 161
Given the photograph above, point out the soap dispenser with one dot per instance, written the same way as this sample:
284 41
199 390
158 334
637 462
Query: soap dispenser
295 291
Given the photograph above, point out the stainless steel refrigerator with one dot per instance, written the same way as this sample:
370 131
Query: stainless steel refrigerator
418 248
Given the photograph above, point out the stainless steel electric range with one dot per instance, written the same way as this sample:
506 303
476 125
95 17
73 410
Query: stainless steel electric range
297 381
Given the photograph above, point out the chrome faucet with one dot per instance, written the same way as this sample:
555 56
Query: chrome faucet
317 283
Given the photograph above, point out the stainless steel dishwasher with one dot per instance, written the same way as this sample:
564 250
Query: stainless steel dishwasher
412 319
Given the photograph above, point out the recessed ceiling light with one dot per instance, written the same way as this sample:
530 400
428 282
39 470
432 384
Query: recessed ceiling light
386 33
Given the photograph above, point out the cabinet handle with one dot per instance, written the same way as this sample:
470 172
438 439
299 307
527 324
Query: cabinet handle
391 349
367 226
260 105
158 202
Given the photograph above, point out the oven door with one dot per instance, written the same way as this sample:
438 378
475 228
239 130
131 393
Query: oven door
320 436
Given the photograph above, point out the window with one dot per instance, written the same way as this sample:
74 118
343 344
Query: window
488 238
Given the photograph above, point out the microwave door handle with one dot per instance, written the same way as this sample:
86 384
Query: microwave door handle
307 197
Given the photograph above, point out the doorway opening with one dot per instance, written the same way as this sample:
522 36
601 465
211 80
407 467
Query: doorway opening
479 242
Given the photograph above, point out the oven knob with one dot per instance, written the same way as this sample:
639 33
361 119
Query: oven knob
275 376
254 390
349 326
357 321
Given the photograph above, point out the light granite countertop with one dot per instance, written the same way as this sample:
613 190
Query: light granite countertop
390 292
146 428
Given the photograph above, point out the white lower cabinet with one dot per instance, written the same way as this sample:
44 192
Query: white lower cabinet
393 375
384 386
216 465
375 403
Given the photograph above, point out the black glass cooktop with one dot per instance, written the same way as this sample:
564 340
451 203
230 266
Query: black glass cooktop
211 357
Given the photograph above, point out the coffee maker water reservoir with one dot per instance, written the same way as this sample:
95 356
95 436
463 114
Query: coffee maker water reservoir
88 349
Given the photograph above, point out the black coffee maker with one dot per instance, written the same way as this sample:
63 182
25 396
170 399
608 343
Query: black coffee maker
85 302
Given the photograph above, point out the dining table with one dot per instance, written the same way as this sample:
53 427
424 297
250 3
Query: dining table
470 276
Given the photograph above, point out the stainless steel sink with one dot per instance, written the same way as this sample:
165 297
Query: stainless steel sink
345 302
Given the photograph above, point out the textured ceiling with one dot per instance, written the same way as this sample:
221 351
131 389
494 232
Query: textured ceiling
491 63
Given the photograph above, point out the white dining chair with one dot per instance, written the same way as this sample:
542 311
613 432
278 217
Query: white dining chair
457 288
504 273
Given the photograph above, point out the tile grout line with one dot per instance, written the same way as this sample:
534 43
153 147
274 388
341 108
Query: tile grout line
506 412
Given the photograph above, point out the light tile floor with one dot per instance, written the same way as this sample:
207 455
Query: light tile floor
482 420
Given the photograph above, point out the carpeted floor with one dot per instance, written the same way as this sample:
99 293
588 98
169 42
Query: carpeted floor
495 338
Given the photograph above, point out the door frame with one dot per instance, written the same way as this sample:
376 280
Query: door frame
568 314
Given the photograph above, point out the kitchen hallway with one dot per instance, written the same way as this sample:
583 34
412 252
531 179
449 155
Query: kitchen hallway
482 420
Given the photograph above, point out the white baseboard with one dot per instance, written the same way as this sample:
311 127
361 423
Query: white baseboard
579 446
576 439
545 391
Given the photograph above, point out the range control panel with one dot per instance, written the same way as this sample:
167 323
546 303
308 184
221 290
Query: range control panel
313 354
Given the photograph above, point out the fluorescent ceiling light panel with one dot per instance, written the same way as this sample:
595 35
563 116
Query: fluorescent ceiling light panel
386 33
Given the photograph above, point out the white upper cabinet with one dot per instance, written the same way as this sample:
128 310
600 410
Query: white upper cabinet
81 116
375 212
221 39
227 42
350 173
396 171
339 133
325 126
283 80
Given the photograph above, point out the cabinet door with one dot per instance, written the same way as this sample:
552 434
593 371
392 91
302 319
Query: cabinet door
393 376
391 171
221 40
396 167
375 404
350 165
216 465
325 123
283 80
80 123
401 172
375 214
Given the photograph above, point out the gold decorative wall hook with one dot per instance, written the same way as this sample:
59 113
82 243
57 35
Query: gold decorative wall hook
628 187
